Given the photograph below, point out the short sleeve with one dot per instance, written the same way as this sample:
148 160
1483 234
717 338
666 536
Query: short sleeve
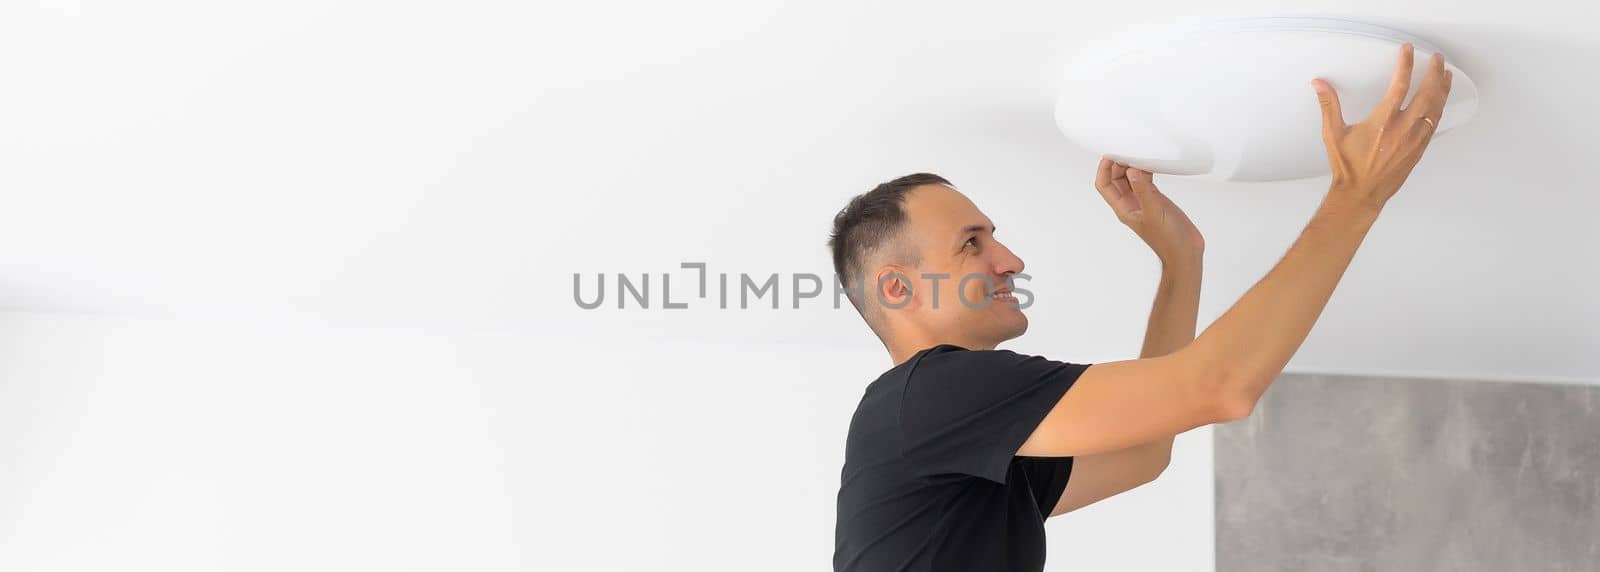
968 411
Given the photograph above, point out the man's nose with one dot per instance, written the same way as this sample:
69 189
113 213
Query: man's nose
1007 263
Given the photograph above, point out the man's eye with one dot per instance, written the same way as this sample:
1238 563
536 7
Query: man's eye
973 242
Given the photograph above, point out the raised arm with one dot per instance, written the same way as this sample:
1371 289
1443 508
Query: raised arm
1178 244
1220 376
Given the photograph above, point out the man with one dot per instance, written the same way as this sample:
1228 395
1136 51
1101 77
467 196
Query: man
958 453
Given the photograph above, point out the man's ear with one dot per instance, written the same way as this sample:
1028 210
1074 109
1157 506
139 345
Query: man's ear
892 288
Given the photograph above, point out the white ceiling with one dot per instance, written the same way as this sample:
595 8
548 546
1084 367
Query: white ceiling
454 163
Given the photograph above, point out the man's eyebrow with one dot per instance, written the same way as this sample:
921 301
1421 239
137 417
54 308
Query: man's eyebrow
975 228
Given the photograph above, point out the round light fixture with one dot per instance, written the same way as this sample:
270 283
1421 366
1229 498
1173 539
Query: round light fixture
1231 99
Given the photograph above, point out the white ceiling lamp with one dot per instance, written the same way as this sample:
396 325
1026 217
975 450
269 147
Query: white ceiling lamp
1231 100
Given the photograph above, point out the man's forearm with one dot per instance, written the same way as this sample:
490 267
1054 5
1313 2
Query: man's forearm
1176 309
1171 327
1253 340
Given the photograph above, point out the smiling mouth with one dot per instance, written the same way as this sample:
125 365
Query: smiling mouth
1003 295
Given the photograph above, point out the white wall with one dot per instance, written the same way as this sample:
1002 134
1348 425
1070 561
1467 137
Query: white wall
445 167
446 162
140 444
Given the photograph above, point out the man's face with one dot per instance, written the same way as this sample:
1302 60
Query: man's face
956 239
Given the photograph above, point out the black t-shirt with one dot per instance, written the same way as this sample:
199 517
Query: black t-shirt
931 479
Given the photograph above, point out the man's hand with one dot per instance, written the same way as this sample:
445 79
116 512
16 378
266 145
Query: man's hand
1371 159
1133 195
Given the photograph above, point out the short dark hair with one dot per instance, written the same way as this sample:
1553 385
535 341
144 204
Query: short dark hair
867 222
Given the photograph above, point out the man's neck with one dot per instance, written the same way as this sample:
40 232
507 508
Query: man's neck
903 349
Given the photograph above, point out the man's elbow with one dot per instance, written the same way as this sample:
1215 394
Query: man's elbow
1160 468
1159 460
1234 407
1230 392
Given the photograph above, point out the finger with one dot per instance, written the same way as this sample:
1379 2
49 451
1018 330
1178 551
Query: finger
1449 76
1108 190
1119 177
1144 189
1125 202
1430 96
1102 176
1430 111
1332 116
1401 82
1428 115
1442 91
